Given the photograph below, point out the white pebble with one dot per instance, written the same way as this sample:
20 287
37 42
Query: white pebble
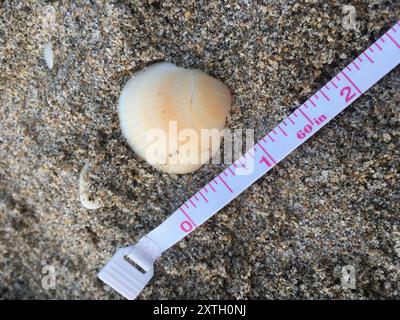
48 55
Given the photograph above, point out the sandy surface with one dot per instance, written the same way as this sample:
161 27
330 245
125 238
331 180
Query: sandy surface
333 202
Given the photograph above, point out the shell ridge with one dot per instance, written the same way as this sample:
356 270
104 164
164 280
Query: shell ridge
191 95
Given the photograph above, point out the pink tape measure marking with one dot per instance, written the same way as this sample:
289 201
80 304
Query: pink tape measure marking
342 90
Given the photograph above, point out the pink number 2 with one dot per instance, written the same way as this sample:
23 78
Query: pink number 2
347 91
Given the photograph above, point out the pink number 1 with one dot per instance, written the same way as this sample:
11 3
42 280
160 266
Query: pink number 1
264 159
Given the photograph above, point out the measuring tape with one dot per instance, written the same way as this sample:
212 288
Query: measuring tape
349 84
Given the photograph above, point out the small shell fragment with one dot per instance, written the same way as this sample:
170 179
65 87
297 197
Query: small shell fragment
48 55
84 196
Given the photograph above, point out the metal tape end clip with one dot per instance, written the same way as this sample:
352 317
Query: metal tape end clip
126 278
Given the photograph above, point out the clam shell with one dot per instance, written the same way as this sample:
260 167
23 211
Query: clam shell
164 96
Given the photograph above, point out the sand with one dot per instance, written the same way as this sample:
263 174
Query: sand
331 203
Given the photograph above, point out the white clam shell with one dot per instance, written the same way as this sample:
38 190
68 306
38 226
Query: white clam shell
164 96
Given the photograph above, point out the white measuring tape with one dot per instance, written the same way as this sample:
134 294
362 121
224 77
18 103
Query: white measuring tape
363 72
